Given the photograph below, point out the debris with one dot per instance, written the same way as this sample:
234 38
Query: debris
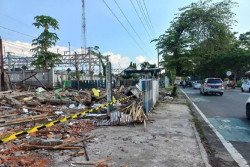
26 109
27 98
73 141
13 101
72 106
93 163
58 112
96 92
25 119
40 89
33 147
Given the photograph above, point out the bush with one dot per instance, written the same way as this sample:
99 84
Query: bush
239 83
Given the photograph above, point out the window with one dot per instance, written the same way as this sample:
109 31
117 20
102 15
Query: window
214 81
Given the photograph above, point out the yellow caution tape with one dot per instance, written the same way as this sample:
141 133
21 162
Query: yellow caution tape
52 123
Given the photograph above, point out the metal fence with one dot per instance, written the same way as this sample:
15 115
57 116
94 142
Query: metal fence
89 84
150 93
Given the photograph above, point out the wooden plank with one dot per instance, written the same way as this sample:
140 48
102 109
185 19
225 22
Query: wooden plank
33 147
74 141
93 163
4 116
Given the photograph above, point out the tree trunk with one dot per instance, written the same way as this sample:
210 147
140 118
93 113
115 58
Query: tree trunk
178 70
235 76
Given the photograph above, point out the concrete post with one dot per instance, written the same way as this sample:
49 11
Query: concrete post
23 76
109 85
2 66
51 77
9 61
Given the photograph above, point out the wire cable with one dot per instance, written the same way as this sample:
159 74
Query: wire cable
16 44
17 32
143 15
124 26
130 23
140 19
147 13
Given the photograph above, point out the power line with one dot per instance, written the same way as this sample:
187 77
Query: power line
140 19
123 26
15 19
17 32
18 47
150 21
16 44
143 15
129 23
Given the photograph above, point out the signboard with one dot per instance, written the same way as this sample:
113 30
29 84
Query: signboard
229 73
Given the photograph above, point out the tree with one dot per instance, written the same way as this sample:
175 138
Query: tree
101 57
237 58
132 65
199 32
147 65
44 41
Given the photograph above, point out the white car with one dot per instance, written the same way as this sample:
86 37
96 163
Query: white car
197 84
245 86
212 85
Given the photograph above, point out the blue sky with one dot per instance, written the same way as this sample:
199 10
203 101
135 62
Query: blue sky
102 27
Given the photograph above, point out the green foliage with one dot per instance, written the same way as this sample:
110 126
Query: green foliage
44 41
239 83
147 65
41 56
133 65
100 56
199 32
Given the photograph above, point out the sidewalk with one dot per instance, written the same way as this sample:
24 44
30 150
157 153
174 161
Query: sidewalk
169 140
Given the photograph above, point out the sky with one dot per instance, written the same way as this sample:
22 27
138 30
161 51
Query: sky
102 27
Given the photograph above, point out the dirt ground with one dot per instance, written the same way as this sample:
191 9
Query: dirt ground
169 140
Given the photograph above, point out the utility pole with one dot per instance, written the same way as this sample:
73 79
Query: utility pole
69 48
2 68
9 60
158 56
4 51
90 72
109 84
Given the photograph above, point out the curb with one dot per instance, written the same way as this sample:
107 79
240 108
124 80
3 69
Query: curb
203 152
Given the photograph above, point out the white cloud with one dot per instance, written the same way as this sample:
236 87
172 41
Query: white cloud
23 48
118 61
140 59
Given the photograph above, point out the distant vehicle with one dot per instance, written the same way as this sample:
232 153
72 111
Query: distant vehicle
212 85
245 86
189 83
181 83
248 108
197 84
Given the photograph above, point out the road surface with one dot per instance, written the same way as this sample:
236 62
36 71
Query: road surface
227 114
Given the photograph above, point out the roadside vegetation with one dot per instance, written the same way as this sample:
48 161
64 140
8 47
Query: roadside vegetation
200 42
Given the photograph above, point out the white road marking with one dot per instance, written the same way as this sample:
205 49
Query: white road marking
230 148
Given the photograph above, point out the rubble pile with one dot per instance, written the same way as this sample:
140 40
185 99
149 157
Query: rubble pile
22 110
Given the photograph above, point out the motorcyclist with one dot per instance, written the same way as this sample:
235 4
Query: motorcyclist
184 84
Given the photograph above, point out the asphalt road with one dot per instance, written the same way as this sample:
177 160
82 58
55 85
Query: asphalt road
227 114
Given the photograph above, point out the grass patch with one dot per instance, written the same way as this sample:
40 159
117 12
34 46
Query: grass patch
199 129
169 88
